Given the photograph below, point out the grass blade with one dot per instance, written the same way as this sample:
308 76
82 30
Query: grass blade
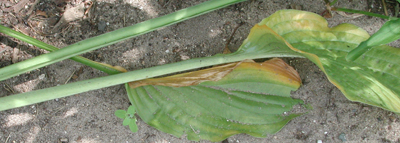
389 32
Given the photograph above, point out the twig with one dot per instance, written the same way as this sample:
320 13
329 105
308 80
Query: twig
361 12
8 137
396 10
354 15
90 6
58 109
69 78
9 89
226 50
385 8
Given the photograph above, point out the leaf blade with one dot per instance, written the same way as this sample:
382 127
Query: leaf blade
207 111
372 79
120 114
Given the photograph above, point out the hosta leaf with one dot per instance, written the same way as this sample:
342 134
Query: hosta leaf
190 78
374 78
251 99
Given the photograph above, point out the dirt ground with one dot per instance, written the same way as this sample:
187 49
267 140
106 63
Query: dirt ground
89 117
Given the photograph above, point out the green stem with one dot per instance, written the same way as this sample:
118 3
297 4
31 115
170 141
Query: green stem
42 45
42 95
361 12
112 37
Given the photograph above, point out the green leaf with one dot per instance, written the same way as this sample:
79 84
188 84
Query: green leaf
127 121
132 126
389 32
372 79
120 114
131 110
251 99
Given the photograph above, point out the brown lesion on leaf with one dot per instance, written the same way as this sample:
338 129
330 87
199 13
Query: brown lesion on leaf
190 78
275 65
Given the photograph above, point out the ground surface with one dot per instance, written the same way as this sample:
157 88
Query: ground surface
89 117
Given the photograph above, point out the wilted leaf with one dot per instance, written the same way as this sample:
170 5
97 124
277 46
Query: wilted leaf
251 99
372 79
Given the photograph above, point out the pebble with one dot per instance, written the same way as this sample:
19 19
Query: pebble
342 137
101 26
319 141
64 140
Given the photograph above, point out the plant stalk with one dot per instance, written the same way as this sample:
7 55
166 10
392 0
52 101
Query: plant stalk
42 95
112 37
42 45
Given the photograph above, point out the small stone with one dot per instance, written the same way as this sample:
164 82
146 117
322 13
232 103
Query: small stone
15 55
342 137
101 26
319 141
42 76
184 57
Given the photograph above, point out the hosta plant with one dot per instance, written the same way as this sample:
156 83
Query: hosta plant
243 96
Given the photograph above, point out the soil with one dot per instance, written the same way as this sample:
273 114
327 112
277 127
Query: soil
89 117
